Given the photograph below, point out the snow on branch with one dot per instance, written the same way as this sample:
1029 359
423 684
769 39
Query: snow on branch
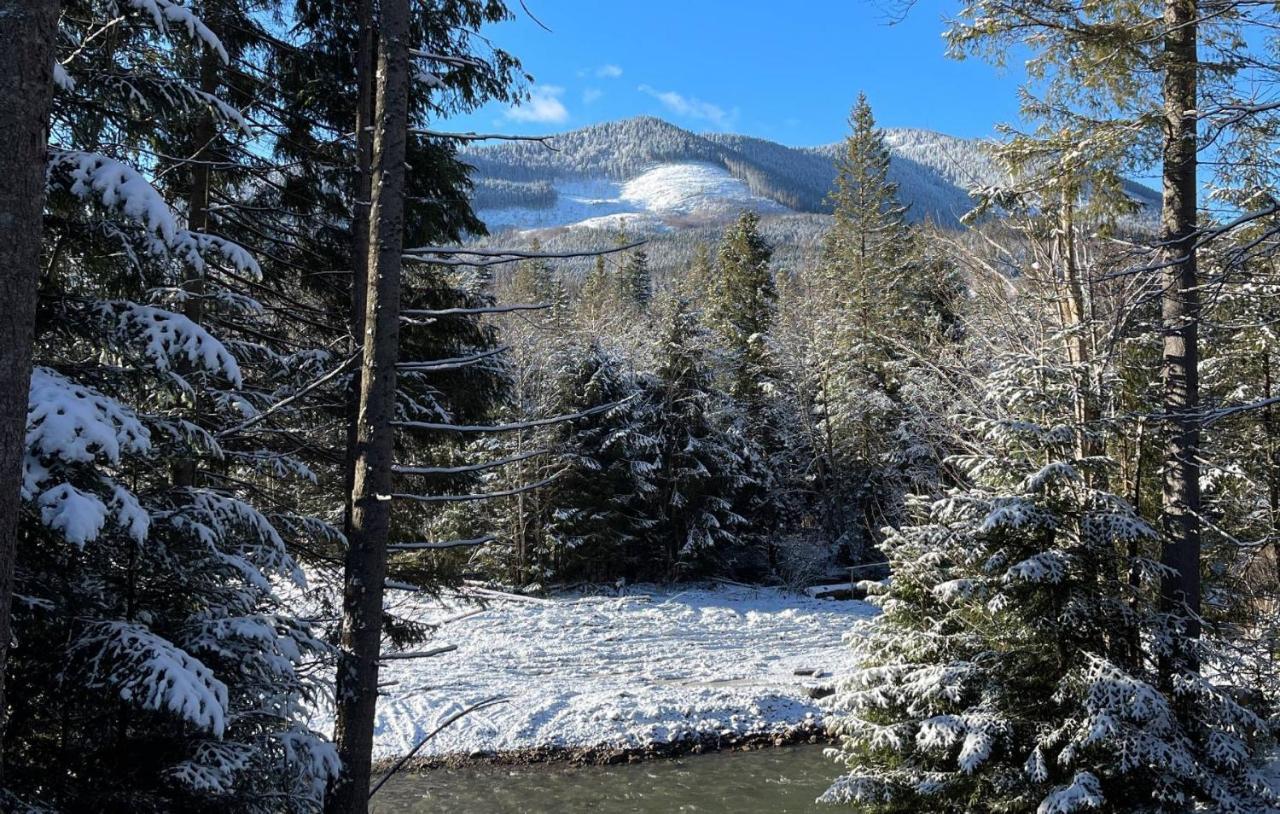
116 185
484 258
418 654
454 363
449 59
166 337
61 79
224 522
462 470
543 140
77 515
192 247
519 425
443 545
165 13
76 424
152 673
492 309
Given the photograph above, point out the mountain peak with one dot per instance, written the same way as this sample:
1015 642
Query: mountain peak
647 166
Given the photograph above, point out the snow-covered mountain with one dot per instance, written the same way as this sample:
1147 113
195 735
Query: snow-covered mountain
646 174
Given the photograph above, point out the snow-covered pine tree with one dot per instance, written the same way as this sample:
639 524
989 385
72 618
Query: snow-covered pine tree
744 305
636 280
742 310
701 470
158 666
1017 663
866 289
601 516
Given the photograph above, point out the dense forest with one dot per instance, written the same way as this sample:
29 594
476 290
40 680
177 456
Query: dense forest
262 368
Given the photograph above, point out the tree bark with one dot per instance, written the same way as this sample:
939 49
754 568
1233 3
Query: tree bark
1073 313
366 559
194 286
27 32
1180 311
360 229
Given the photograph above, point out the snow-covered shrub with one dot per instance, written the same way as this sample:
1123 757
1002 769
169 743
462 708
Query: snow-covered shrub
1022 662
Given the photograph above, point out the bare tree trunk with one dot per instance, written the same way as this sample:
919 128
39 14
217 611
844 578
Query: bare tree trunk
1073 311
366 560
202 136
360 230
1181 314
27 31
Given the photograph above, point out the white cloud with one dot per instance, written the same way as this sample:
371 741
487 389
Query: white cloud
542 106
609 71
591 95
691 107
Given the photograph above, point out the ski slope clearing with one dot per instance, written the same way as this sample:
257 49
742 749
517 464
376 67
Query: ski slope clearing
660 196
655 666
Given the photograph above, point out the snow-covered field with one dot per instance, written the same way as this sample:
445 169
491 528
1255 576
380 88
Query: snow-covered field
667 191
652 666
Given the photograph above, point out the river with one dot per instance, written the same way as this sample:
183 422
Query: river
783 780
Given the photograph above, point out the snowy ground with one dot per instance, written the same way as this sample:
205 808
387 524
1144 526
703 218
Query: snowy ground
654 665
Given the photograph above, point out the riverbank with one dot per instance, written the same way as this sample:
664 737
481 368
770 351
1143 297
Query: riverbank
604 679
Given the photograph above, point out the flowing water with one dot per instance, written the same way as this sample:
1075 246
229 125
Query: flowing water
783 780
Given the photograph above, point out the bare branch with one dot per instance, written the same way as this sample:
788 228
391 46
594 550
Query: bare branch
488 702
519 490
462 470
279 405
421 654
454 363
492 309
440 546
519 425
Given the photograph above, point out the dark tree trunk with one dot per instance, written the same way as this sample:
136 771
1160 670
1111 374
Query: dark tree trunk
27 31
361 193
366 560
202 136
1181 315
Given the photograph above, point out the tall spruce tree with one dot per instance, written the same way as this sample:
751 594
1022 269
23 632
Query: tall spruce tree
700 472
636 280
866 283
744 305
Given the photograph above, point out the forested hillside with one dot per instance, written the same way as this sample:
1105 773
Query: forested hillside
934 173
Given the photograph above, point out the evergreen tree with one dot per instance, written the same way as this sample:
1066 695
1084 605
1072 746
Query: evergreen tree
744 305
157 662
602 515
1017 663
701 469
636 280
867 305
596 292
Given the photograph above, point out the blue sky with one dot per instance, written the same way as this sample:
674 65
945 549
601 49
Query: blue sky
788 72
